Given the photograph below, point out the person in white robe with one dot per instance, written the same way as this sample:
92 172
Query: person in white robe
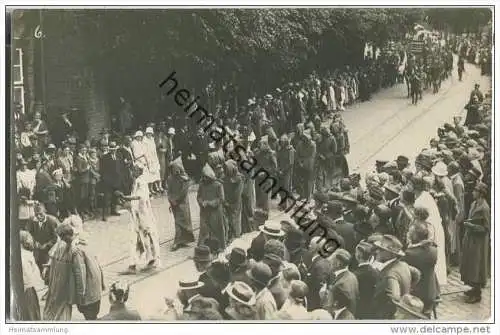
152 161
144 238
424 199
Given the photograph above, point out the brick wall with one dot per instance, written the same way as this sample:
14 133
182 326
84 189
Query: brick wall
70 82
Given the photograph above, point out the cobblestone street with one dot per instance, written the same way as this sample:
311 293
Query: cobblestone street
378 129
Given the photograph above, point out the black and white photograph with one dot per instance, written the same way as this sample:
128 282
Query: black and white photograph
249 164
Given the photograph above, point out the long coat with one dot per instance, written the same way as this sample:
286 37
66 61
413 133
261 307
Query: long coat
178 188
474 267
423 257
46 236
317 275
233 189
152 159
459 192
61 294
347 283
368 278
211 200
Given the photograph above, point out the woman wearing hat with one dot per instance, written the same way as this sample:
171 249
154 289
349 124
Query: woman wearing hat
474 268
152 162
178 186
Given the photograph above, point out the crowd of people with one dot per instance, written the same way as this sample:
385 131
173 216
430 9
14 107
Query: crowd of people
399 231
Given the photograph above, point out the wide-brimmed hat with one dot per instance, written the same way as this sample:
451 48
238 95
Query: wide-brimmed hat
410 307
268 97
202 254
260 273
272 228
190 283
440 169
390 244
149 130
241 292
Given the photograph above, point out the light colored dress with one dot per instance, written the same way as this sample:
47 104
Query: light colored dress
143 229
152 159
426 201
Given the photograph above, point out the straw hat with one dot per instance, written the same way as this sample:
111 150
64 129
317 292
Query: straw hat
272 228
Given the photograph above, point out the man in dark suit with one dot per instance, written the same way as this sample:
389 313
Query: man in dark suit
318 271
126 159
343 228
422 254
43 230
396 277
268 231
367 280
118 296
343 283
340 308
110 174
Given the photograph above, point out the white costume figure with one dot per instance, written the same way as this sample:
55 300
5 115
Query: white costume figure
151 156
144 239
139 149
426 201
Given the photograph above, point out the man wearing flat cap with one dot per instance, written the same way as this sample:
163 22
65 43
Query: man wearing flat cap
396 277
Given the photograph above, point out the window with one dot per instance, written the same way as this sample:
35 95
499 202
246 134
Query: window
18 99
17 75
17 65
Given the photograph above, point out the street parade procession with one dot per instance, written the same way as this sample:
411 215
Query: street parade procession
301 200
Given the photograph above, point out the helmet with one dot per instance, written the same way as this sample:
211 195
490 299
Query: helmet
118 292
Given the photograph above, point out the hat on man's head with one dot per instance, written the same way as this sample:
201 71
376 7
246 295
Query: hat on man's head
202 254
403 160
149 130
260 273
237 258
272 228
190 282
343 255
390 244
440 169
409 307
241 292
51 146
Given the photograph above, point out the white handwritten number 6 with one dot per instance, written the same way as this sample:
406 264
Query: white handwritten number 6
38 32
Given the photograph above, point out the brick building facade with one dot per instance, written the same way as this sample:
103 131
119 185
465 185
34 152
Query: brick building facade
51 72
